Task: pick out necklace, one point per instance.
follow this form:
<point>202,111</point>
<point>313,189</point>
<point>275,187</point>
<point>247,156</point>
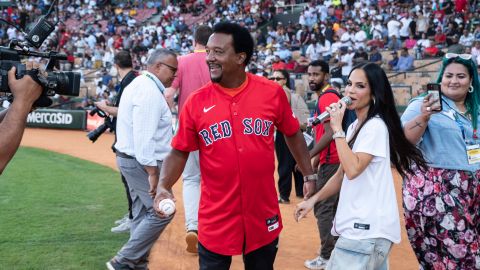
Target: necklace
<point>465,114</point>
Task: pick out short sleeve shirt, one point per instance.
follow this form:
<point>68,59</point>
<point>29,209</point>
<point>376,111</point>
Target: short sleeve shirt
<point>358,213</point>
<point>238,209</point>
<point>329,154</point>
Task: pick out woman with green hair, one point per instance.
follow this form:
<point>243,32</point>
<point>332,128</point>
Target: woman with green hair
<point>442,204</point>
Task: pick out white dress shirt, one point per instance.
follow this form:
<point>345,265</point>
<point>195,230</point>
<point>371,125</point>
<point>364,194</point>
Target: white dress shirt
<point>144,121</point>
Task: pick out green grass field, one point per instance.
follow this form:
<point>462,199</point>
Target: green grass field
<point>56,212</point>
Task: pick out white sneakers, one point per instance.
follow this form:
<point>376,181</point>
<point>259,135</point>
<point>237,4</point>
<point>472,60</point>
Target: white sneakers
<point>122,220</point>
<point>124,225</point>
<point>317,264</point>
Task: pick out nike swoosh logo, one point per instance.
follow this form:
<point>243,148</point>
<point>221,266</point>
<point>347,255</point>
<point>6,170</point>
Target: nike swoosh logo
<point>205,110</point>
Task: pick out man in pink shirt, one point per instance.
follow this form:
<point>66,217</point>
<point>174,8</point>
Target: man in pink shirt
<point>192,74</point>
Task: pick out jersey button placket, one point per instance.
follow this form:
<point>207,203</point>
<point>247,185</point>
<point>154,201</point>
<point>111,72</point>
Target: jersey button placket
<point>239,154</point>
<point>234,108</point>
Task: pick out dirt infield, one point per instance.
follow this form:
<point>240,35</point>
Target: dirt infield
<point>298,241</point>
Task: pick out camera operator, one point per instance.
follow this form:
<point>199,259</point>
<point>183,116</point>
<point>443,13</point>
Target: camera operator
<point>123,63</point>
<point>12,120</point>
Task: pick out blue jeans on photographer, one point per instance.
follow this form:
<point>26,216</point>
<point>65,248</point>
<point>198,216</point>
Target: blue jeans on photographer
<point>371,254</point>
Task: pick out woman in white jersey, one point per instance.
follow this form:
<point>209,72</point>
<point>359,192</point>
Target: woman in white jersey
<point>367,217</point>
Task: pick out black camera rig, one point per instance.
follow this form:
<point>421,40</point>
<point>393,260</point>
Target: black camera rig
<point>52,82</point>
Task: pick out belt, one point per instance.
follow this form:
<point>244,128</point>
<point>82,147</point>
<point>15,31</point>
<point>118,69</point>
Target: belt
<point>123,155</point>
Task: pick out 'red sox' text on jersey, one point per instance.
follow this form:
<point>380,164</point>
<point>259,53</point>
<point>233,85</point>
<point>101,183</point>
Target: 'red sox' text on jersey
<point>235,136</point>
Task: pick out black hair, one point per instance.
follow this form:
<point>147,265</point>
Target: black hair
<point>242,40</point>
<point>336,85</point>
<point>403,154</point>
<point>322,64</point>
<point>286,75</point>
<point>321,39</point>
<point>202,33</point>
<point>123,59</point>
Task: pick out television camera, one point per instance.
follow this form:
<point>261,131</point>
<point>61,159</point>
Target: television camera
<point>52,82</point>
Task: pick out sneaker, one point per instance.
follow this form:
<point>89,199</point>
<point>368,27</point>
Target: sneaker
<point>317,263</point>
<point>123,227</point>
<point>122,220</point>
<point>114,265</point>
<point>283,201</point>
<point>192,241</point>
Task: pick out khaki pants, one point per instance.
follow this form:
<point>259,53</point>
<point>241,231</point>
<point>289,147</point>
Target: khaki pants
<point>325,211</point>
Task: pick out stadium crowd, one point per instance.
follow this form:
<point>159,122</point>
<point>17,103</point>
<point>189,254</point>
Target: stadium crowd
<point>341,32</point>
<point>329,37</point>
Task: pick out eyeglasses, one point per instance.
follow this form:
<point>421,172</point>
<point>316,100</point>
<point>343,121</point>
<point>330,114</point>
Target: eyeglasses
<point>173,69</point>
<point>276,79</point>
<point>464,56</point>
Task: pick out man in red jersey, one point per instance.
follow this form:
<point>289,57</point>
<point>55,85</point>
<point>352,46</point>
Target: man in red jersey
<point>191,75</point>
<point>326,151</point>
<point>231,122</point>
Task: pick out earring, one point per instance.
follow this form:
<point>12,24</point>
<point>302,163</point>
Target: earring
<point>470,89</point>
<point>373,101</point>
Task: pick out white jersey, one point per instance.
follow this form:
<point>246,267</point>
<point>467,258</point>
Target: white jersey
<point>367,206</point>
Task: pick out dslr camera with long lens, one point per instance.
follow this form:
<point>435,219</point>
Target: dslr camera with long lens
<point>52,82</point>
<point>107,124</point>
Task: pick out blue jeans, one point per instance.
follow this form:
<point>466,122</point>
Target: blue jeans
<point>370,254</point>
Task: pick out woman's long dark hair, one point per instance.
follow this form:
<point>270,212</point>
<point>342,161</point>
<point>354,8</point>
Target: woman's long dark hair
<point>286,75</point>
<point>403,154</point>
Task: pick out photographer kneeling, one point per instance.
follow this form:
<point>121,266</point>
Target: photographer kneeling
<point>12,121</point>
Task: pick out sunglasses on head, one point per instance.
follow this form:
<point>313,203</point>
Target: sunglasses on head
<point>276,79</point>
<point>464,56</point>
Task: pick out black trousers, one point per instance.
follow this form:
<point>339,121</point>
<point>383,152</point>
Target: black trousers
<point>129,198</point>
<point>286,166</point>
<point>259,259</point>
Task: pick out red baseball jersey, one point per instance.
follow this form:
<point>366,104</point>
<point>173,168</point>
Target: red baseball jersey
<point>329,154</point>
<point>238,209</point>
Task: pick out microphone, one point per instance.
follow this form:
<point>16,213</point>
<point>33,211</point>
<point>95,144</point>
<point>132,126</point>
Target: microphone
<point>325,114</point>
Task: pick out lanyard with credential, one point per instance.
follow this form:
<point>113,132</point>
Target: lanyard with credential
<point>460,124</point>
<point>151,78</point>
<point>472,147</point>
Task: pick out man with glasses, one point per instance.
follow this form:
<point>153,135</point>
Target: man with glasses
<point>144,132</point>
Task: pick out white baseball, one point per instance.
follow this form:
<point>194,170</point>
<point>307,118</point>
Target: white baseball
<point>167,206</point>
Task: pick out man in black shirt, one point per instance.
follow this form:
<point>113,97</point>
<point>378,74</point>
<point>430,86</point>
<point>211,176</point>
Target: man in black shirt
<point>123,63</point>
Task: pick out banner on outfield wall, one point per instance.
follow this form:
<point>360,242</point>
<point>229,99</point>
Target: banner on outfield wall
<point>94,121</point>
<point>62,119</point>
